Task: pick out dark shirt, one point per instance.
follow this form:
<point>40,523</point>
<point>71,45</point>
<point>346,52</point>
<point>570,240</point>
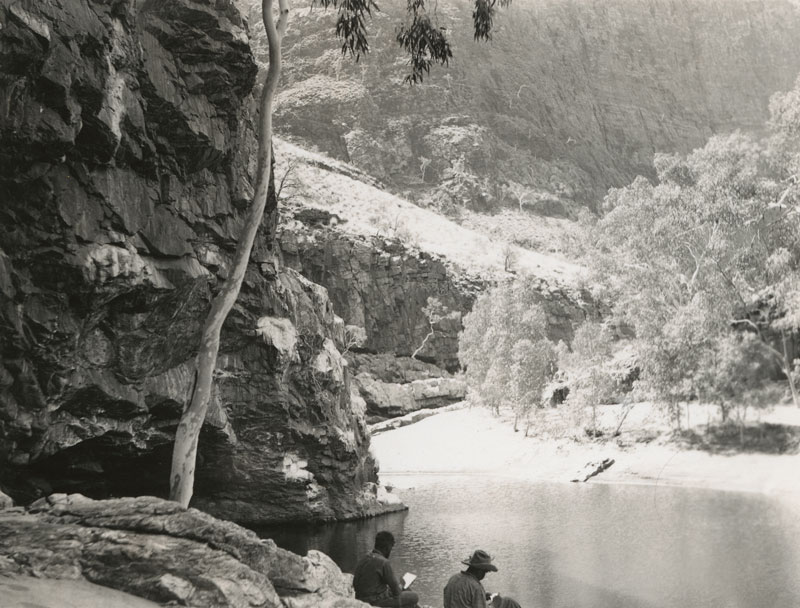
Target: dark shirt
<point>464,591</point>
<point>374,578</point>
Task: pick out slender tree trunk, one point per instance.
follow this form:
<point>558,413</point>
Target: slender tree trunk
<point>430,334</point>
<point>741,412</point>
<point>625,412</point>
<point>787,369</point>
<point>184,454</point>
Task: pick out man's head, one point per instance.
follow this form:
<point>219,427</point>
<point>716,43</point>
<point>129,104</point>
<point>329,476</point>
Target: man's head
<point>479,564</point>
<point>384,541</point>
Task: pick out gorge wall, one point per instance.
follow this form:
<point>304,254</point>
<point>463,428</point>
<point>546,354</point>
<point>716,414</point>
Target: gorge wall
<point>125,170</point>
<point>382,285</point>
<point>381,288</point>
<point>568,99</point>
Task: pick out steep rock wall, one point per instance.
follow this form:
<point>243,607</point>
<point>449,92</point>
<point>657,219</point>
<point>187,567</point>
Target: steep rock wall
<point>381,285</point>
<point>125,171</point>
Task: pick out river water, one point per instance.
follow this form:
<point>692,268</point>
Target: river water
<point>584,545</point>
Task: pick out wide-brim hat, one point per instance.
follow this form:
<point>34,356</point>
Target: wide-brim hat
<point>481,560</point>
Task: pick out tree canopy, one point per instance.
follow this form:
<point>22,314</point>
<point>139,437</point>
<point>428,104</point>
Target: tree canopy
<point>505,349</point>
<point>707,253</point>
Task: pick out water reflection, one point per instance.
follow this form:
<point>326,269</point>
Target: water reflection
<point>598,546</point>
<point>344,542</point>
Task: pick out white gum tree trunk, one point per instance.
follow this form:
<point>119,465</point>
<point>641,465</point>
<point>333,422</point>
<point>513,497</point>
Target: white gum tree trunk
<point>184,454</point>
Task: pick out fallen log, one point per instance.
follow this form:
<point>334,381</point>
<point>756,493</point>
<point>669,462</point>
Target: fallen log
<point>593,468</point>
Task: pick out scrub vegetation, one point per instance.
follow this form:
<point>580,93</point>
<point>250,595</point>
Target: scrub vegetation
<point>701,267</point>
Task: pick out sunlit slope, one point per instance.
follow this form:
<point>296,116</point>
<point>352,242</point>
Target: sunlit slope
<point>315,180</point>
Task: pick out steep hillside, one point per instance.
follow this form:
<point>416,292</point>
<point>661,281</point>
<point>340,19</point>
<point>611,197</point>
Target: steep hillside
<point>363,208</point>
<point>568,99</point>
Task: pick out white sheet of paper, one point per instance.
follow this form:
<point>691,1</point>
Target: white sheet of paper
<point>407,579</point>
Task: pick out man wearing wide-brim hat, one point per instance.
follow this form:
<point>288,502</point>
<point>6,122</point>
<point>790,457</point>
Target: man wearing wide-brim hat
<point>464,590</point>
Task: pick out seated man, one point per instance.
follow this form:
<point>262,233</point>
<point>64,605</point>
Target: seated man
<point>464,590</point>
<point>374,580</point>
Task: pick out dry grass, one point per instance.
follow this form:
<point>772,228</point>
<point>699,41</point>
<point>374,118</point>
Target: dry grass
<point>321,182</point>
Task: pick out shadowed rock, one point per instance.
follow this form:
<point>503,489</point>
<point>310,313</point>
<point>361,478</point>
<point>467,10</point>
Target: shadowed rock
<point>157,550</point>
<point>126,140</point>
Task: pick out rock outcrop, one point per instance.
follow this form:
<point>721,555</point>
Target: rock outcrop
<point>383,286</point>
<point>412,418</point>
<point>126,148</point>
<point>591,469</point>
<point>155,549</point>
<point>393,386</point>
<point>390,400</point>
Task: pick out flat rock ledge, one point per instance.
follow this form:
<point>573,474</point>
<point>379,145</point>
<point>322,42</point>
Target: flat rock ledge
<point>413,418</point>
<point>154,549</point>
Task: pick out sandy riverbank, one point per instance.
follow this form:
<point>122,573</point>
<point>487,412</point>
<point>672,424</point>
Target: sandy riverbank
<point>474,441</point>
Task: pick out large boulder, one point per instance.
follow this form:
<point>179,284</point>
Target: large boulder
<point>157,550</point>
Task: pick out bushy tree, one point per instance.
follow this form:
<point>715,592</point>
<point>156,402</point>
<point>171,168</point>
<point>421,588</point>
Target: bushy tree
<point>586,369</point>
<point>733,374</point>
<point>707,253</point>
<point>520,192</point>
<point>505,350</point>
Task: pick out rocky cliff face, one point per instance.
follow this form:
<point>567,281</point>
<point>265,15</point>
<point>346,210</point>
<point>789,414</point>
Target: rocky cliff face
<point>382,285</point>
<point>568,99</point>
<point>125,170</point>
<point>381,288</point>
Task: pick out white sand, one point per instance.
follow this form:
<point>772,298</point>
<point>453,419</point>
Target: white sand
<point>473,441</point>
